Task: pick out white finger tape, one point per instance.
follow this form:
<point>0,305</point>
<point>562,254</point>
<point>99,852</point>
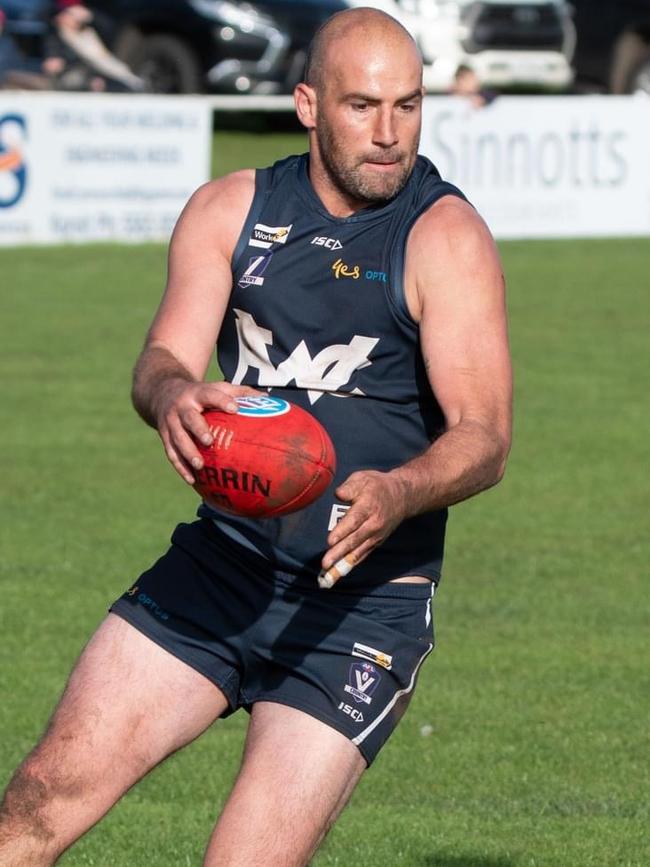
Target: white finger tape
<point>327,580</point>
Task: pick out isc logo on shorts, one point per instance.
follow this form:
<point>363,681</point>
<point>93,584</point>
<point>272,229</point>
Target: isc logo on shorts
<point>255,407</point>
<point>352,712</point>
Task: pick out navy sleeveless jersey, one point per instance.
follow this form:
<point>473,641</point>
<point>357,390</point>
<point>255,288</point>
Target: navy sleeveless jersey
<point>317,315</point>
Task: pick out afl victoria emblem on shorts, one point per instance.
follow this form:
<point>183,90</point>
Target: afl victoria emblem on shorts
<point>364,679</point>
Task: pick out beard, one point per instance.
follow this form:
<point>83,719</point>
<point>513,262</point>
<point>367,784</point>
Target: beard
<point>349,174</point>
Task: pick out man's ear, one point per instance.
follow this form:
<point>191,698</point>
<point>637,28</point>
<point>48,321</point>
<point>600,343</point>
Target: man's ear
<point>304,97</point>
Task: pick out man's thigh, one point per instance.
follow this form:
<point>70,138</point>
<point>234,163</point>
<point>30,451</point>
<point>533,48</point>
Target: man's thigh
<point>296,776</point>
<point>129,699</point>
<point>127,705</point>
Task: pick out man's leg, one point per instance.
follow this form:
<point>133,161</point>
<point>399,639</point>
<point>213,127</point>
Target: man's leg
<point>128,705</point>
<point>296,776</point>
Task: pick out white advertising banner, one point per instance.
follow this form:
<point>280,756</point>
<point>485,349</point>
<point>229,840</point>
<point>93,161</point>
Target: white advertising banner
<point>547,167</point>
<point>88,167</point>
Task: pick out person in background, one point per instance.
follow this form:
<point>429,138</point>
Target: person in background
<point>76,58</point>
<point>466,84</point>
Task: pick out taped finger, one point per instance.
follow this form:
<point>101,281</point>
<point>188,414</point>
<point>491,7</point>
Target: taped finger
<point>327,579</point>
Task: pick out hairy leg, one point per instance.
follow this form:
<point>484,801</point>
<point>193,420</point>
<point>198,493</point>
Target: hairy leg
<point>127,705</point>
<point>296,776</point>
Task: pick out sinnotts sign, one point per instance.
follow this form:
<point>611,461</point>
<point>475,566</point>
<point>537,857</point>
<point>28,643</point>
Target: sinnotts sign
<point>89,167</point>
<point>547,167</point>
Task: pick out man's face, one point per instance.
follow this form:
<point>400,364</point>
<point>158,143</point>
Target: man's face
<point>369,116</point>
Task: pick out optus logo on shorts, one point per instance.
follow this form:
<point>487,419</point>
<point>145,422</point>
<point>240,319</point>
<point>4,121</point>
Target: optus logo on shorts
<point>255,407</point>
<point>13,172</point>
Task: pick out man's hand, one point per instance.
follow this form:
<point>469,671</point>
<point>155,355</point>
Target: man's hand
<point>378,505</point>
<point>177,412</point>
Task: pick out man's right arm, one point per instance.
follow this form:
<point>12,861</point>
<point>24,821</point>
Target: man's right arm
<point>168,388</point>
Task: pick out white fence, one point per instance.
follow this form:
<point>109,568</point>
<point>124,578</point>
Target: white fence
<point>86,167</point>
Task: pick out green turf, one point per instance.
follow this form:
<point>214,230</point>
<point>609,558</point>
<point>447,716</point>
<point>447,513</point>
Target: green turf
<point>526,744</point>
<point>236,149</point>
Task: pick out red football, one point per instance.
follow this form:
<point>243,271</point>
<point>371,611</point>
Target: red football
<point>268,459</point>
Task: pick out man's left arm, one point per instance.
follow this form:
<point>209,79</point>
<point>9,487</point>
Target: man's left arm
<point>455,291</point>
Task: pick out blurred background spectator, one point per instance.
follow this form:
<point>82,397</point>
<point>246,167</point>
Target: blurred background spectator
<point>77,58</point>
<point>74,57</point>
<point>467,84</point>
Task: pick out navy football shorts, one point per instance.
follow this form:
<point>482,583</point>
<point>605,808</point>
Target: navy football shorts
<point>349,658</point>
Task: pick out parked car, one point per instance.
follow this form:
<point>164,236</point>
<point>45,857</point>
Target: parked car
<point>192,46</point>
<point>613,45</point>
<point>27,23</point>
<point>27,17</point>
<point>509,45</point>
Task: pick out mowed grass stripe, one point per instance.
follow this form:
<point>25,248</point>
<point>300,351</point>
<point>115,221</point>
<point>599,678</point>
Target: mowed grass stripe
<point>526,742</point>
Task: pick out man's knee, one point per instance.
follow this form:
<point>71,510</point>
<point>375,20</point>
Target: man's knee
<point>26,833</point>
<point>31,790</point>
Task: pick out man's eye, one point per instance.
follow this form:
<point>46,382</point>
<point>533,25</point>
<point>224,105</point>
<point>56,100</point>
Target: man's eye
<point>359,106</point>
<point>408,107</point>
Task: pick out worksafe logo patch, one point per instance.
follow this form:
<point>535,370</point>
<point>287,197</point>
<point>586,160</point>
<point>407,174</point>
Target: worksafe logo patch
<point>13,170</point>
<point>364,679</point>
<point>265,236</point>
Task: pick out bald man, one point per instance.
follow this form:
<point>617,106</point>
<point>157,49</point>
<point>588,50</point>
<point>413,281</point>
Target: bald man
<point>356,283</point>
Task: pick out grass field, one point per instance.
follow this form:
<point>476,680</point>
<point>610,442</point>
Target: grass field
<point>526,744</point>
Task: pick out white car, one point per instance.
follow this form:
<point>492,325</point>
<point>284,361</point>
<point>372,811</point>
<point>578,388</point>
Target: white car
<point>508,43</point>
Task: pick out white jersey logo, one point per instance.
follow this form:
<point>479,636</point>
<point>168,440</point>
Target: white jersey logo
<point>265,236</point>
<point>327,371</point>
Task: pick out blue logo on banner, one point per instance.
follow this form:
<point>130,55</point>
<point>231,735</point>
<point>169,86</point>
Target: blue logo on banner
<point>12,161</point>
<point>256,407</point>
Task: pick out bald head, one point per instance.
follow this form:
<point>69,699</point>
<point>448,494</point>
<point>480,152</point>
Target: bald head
<point>359,28</point>
<point>362,104</point>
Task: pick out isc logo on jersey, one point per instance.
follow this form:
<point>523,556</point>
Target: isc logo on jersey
<point>330,243</point>
<point>264,236</point>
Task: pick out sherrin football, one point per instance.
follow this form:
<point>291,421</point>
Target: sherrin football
<point>268,459</point>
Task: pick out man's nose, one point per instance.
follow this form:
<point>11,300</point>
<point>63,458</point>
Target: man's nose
<point>385,133</point>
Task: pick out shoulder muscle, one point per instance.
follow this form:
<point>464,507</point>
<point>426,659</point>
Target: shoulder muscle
<point>449,243</point>
<point>456,291</point>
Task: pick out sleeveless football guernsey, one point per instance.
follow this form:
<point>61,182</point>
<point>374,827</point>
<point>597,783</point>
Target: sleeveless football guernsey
<point>317,316</point>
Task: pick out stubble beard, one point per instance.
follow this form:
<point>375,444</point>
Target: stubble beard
<point>348,176</point>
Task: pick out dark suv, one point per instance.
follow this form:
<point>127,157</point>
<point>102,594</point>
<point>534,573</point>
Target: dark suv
<point>613,45</point>
<point>192,46</point>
